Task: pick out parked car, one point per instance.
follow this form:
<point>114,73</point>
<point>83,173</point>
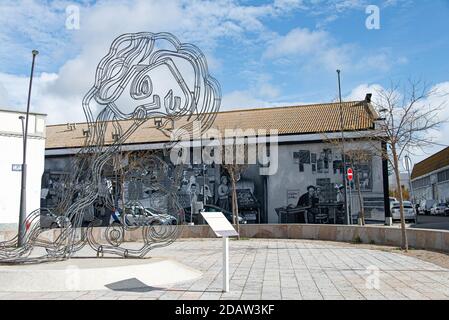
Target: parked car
<point>438,209</point>
<point>425,206</point>
<point>49,220</point>
<point>211,208</point>
<point>409,211</point>
<point>392,200</point>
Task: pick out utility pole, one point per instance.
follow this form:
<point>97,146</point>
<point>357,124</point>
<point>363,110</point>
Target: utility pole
<point>343,155</point>
<point>22,212</point>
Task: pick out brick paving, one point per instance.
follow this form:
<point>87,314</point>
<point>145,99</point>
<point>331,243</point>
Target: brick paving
<point>284,269</point>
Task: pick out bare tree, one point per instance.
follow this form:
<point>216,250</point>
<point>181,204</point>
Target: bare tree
<point>407,119</point>
<point>234,170</point>
<point>357,158</point>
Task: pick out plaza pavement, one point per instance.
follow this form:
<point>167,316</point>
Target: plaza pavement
<point>284,269</point>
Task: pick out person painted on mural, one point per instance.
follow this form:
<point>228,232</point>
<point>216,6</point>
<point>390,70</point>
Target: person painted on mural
<point>223,194</point>
<point>310,201</point>
<point>319,194</point>
<point>341,194</point>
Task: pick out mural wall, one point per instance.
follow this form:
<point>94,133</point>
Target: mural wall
<point>308,185</point>
<point>310,177</point>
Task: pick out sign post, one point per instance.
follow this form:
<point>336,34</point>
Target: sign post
<point>225,264</point>
<point>350,175</point>
<point>222,229</point>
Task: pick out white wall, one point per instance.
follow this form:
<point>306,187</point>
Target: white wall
<point>11,146</point>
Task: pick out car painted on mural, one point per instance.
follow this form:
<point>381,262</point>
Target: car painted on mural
<point>139,216</point>
<point>50,220</point>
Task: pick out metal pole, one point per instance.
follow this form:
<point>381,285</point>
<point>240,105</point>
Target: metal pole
<point>350,202</point>
<point>22,212</point>
<point>22,118</point>
<point>343,156</point>
<point>408,163</point>
<point>204,185</point>
<point>225,264</point>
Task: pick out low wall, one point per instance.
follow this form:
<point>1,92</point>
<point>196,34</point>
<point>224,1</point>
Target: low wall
<point>437,240</point>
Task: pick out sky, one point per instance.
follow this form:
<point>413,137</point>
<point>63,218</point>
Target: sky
<point>263,53</point>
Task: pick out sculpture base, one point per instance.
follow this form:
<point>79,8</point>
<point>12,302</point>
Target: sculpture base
<point>85,274</point>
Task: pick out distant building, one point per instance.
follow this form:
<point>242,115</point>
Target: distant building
<point>11,146</point>
<point>430,177</point>
<point>405,181</point>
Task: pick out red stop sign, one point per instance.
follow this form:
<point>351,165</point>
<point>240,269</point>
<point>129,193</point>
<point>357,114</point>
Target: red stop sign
<point>350,174</point>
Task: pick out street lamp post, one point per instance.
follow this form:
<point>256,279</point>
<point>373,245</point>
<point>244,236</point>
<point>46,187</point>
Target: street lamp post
<point>343,156</point>
<point>408,164</point>
<point>22,212</point>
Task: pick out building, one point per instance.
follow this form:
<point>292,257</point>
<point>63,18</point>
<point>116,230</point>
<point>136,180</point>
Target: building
<point>304,156</point>
<point>11,144</point>
<point>405,182</point>
<point>430,177</point>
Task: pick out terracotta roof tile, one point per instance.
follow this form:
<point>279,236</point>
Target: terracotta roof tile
<point>358,115</point>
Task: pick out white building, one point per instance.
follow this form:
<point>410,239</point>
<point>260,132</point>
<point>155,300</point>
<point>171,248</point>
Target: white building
<point>11,146</point>
<point>430,177</point>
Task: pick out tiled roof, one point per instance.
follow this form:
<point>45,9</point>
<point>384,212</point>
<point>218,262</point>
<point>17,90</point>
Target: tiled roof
<point>432,163</point>
<point>316,118</point>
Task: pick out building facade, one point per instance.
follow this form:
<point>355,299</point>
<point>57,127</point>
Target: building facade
<point>11,144</point>
<point>430,178</point>
<point>305,164</point>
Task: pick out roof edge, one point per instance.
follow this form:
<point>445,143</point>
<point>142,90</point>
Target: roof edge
<point>355,102</point>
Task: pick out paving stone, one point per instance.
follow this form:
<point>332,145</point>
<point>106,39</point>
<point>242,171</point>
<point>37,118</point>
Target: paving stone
<point>284,269</point>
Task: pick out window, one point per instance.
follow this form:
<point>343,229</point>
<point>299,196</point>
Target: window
<point>421,183</point>
<point>443,176</point>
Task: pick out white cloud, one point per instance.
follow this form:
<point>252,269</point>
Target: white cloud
<point>298,41</point>
<point>318,50</point>
<point>60,94</point>
<point>359,92</point>
<point>242,99</point>
<point>60,109</point>
<point>72,56</point>
<point>439,99</point>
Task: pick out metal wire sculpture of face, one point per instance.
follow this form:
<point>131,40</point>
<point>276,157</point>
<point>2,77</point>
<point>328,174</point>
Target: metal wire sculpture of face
<point>145,76</point>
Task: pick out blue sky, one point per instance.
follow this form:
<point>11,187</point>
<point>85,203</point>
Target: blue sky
<point>264,53</point>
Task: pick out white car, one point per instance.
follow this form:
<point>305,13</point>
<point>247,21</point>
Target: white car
<point>138,216</point>
<point>163,218</point>
<point>438,209</point>
<point>409,211</point>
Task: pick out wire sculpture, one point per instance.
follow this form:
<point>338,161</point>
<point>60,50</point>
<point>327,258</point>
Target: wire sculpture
<point>145,77</point>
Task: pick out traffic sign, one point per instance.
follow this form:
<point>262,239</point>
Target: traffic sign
<point>350,174</point>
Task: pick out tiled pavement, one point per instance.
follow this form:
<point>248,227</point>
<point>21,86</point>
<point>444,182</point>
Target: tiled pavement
<point>285,269</point>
